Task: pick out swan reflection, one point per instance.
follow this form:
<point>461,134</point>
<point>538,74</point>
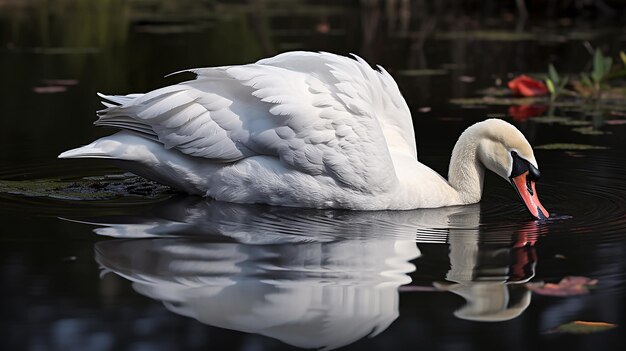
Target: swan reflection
<point>490,277</point>
<point>310,278</point>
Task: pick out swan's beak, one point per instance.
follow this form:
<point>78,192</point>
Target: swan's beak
<point>525,187</point>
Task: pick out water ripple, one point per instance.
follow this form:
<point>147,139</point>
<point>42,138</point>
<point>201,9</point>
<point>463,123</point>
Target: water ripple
<point>585,203</point>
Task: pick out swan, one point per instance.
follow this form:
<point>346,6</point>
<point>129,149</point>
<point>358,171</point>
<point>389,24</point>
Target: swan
<point>302,129</point>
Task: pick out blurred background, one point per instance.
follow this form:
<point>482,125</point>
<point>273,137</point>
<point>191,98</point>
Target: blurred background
<point>55,55</point>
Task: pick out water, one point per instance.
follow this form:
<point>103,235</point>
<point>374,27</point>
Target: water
<point>141,267</point>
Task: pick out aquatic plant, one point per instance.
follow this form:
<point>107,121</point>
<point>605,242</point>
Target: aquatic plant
<point>555,83</point>
<point>593,84</point>
<point>595,79</point>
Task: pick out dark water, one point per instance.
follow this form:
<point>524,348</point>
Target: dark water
<point>143,268</point>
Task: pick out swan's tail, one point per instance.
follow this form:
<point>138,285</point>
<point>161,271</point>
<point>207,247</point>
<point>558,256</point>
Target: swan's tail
<point>88,151</point>
<point>149,159</point>
<point>121,146</point>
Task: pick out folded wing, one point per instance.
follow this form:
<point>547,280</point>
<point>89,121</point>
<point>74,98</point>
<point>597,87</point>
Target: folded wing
<point>321,114</point>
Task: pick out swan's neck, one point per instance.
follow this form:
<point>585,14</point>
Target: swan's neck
<point>466,173</point>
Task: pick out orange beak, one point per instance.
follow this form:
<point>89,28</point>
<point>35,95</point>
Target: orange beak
<point>526,189</point>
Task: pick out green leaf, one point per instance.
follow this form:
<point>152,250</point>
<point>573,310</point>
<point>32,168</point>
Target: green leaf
<point>582,327</point>
<point>598,67</point>
<point>553,74</point>
<point>622,55</point>
<point>550,86</point>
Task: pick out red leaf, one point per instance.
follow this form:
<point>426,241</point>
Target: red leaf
<point>527,86</point>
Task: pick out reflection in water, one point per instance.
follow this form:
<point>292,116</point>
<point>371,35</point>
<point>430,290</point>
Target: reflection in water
<point>310,278</point>
<point>284,275</point>
<point>311,295</point>
<point>490,277</point>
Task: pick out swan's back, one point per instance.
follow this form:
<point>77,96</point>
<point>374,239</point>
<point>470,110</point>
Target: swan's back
<point>318,113</point>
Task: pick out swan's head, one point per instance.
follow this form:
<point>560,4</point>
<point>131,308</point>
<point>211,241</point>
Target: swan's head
<point>504,150</point>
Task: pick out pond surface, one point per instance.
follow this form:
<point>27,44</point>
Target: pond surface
<point>93,258</point>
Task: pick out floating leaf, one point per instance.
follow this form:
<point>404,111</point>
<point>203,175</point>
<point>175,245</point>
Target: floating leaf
<point>422,72</point>
<point>589,131</point>
<point>551,119</point>
<point>568,286</point>
<point>582,327</point>
<point>467,79</point>
<point>424,109</point>
<point>566,146</point>
<point>575,123</point>
<point>615,122</point>
<point>51,89</point>
<point>495,91</point>
<point>573,154</point>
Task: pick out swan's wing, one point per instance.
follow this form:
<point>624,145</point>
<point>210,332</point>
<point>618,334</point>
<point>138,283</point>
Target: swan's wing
<point>185,117</point>
<point>320,123</point>
<point>377,87</point>
<point>321,127</point>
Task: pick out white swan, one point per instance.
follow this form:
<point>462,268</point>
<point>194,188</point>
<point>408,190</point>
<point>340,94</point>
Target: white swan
<point>302,129</point>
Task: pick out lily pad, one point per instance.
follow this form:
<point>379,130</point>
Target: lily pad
<point>495,91</point>
<point>566,146</point>
<point>582,327</point>
<point>422,72</point>
<point>615,122</point>
<point>576,123</point>
<point>551,119</point>
<point>589,131</point>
